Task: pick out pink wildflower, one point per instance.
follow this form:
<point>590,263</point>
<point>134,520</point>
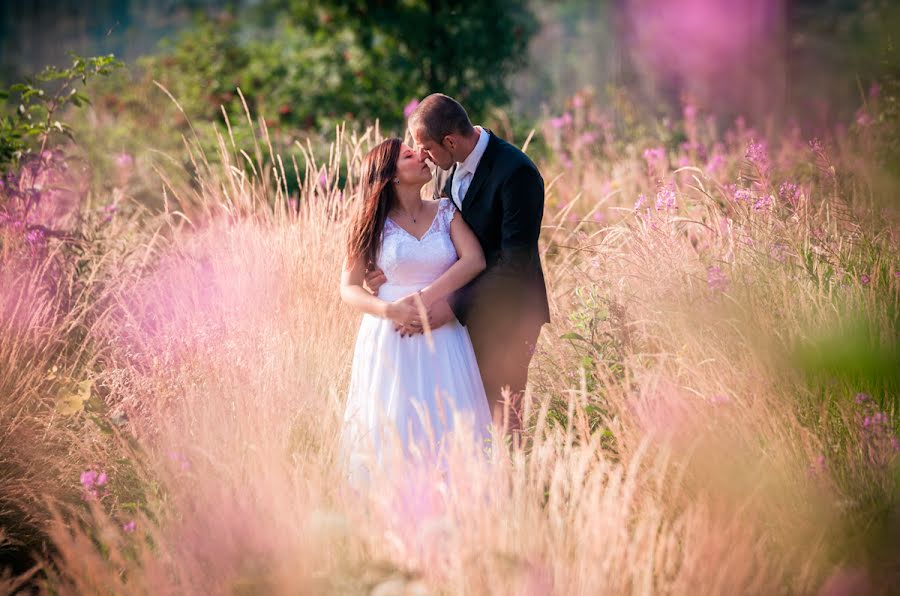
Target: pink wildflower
<point>654,155</point>
<point>742,195</point>
<point>588,138</point>
<point>864,279</point>
<point>716,279</point>
<point>561,121</point>
<point>689,111</point>
<point>665,199</point>
<point>88,478</point>
<point>763,203</point>
<point>124,160</point>
<point>409,108</point>
<point>640,202</point>
<point>129,526</point>
<point>789,193</point>
<point>758,156</point>
<point>863,118</point>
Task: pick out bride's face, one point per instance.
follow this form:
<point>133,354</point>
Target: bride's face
<point>411,168</point>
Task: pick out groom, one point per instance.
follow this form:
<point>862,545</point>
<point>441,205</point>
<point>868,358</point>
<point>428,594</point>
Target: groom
<point>500,195</point>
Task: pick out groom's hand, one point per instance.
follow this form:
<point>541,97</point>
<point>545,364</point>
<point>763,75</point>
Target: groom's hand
<point>440,314</point>
<point>375,278</point>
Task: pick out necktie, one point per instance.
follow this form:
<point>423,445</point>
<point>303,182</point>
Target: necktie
<point>463,186</point>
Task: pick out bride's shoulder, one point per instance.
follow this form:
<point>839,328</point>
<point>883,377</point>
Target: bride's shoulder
<point>436,205</point>
<point>441,203</point>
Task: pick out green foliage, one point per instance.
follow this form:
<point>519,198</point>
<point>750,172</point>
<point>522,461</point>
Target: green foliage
<point>311,66</point>
<point>29,126</point>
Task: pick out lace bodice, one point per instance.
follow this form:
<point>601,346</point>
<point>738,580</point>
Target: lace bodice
<point>408,262</point>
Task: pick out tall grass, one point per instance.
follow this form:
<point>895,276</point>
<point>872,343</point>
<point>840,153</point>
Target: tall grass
<point>692,425</point>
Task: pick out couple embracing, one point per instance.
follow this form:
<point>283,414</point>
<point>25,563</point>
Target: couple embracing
<point>451,288</point>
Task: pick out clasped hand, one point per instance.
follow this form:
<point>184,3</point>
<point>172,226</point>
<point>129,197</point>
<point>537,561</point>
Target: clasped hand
<point>407,314</point>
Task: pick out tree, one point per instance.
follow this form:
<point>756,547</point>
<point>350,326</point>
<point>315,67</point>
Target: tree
<point>312,64</point>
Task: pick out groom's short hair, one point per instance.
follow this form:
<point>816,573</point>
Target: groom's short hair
<point>440,115</point>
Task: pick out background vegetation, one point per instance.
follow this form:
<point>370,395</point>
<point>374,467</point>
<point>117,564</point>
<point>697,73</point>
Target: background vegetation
<point>719,382</point>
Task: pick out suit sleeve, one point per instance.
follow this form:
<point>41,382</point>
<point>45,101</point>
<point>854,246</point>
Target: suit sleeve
<point>522,202</point>
<point>522,199</point>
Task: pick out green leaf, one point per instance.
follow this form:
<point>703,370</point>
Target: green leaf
<point>572,336</point>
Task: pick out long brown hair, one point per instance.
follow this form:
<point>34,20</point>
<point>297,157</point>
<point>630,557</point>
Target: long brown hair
<point>377,194</point>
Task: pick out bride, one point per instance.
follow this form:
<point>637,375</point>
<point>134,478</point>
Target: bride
<point>420,386</point>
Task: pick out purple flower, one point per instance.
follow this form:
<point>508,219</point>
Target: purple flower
<point>91,480</point>
<point>323,179</point>
<point>863,118</point>
<point>690,111</point>
<point>124,160</point>
<point>640,202</point>
<point>763,203</point>
<point>665,199</point>
<point>182,461</point>
<point>409,108</point>
<point>561,121</point>
<point>742,195</point>
<point>598,216</point>
<point>817,466</point>
<point>777,252</point>
<point>863,398</point>
<point>874,90</point>
<point>789,193</point>
<point>758,156</point>
<point>34,236</point>
<point>587,138</point>
<point>88,478</point>
<point>716,279</point>
<point>654,154</point>
<point>864,279</point>
<point>715,162</point>
<point>129,526</point>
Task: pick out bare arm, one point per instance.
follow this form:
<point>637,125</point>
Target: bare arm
<point>471,262</point>
<point>354,294</point>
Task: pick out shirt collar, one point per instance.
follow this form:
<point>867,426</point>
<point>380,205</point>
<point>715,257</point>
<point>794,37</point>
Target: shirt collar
<point>471,162</point>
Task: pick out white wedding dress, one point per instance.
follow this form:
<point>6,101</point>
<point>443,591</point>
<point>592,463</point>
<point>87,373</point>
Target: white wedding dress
<point>403,384</point>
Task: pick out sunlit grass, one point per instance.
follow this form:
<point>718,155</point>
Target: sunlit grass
<point>693,421</point>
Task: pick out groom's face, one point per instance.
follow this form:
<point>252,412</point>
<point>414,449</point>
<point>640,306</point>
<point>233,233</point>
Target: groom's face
<point>432,150</point>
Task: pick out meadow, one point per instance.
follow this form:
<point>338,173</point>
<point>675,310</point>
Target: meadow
<point>712,410</point>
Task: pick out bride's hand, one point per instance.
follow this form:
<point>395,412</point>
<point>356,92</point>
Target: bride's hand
<point>405,311</point>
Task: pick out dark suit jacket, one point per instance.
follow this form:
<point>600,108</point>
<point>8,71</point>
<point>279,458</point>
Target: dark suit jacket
<point>504,206</point>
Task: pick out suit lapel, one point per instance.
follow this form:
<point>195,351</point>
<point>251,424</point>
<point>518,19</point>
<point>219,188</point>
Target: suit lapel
<point>481,172</point>
<point>448,187</point>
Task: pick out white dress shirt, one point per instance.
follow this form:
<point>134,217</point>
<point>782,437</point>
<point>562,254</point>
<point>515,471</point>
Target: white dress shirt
<point>465,171</point>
